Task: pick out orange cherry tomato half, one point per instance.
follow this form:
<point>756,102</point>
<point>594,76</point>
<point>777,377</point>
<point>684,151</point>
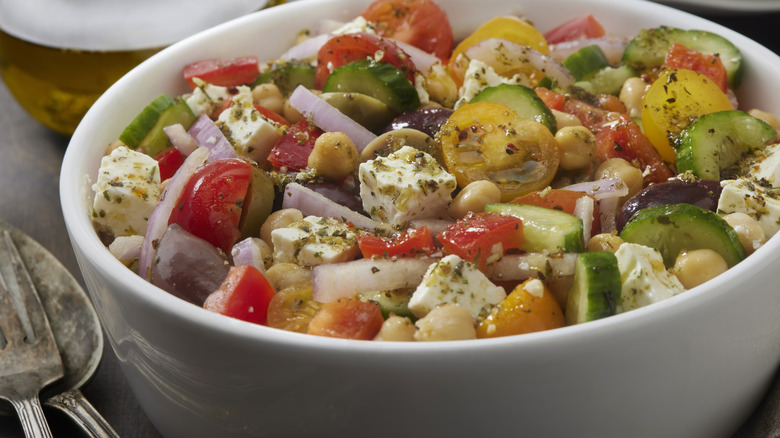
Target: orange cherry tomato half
<point>530,307</point>
<point>347,318</point>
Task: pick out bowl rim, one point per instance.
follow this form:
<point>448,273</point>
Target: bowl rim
<point>89,247</point>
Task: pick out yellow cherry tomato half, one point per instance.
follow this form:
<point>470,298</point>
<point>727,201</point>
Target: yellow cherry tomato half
<point>489,141</point>
<point>673,101</point>
<point>531,307</point>
<point>508,28</point>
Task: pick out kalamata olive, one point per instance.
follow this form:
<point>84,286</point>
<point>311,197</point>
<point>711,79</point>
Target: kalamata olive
<point>427,120</point>
<point>187,266</point>
<point>702,193</point>
<point>338,195</point>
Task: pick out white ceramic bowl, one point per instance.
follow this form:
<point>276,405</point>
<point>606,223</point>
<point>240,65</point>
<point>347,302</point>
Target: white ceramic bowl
<point>692,366</point>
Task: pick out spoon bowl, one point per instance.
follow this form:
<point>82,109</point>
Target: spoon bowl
<point>76,329</point>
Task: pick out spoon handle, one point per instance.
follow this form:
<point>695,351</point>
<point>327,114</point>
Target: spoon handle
<point>83,413</point>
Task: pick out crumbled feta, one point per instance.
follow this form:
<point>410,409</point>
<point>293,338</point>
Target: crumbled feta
<point>479,76</point>
<point>454,280</point>
<point>313,241</point>
<point>251,133</point>
<point>126,192</point>
<point>749,196</point>
<point>359,24</point>
<point>206,98</point>
<point>407,184</point>
<point>644,277</point>
<point>763,165</point>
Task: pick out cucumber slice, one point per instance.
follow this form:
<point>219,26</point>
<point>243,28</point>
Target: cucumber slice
<point>376,79</point>
<point>288,76</point>
<point>671,229</point>
<point>523,100</point>
<point>718,140</point>
<point>371,113</point>
<point>258,204</point>
<point>544,229</point>
<point>608,80</point>
<point>156,139</point>
<point>585,62</point>
<point>391,301</point>
<point>596,289</point>
<point>648,49</point>
<point>135,132</point>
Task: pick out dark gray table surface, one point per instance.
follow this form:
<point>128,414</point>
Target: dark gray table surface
<point>30,159</point>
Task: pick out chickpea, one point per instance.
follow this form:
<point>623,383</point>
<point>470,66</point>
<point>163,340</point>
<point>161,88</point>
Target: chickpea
<point>620,168</point>
<point>291,114</point>
<point>604,242</point>
<point>334,155</point>
<point>114,145</point>
<point>278,219</point>
<point>447,322</point>
<point>440,86</point>
<point>563,119</point>
<point>631,95</point>
<point>474,197</point>
<point>577,145</point>
<point>268,96</point>
<point>396,328</point>
<point>750,233</point>
<point>695,267</point>
<point>283,275</point>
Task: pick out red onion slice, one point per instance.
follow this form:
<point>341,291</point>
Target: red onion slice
<point>602,188</point>
<point>181,139</point>
<point>206,133</point>
<point>583,209</point>
<point>306,49</point>
<point>311,203</point>
<point>248,252</point>
<point>422,60</point>
<point>504,56</point>
<point>608,210</point>
<point>612,46</point>
<point>516,267</point>
<point>339,280</point>
<point>158,220</point>
<point>328,118</point>
<point>435,225</point>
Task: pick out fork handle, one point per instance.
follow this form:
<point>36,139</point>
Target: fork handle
<point>31,416</point>
<point>76,406</point>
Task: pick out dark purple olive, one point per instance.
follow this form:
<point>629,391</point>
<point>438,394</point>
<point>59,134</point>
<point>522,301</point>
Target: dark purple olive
<point>338,195</point>
<point>427,120</point>
<point>187,266</point>
<point>702,193</point>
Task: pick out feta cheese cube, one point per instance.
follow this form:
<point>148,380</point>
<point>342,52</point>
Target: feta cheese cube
<point>749,196</point>
<point>763,165</point>
<point>358,24</point>
<point>456,281</point>
<point>126,192</point>
<point>251,133</point>
<point>644,277</point>
<point>407,184</point>
<point>313,241</point>
<point>206,98</point>
<point>479,76</point>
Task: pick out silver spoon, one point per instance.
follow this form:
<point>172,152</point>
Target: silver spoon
<point>76,329</point>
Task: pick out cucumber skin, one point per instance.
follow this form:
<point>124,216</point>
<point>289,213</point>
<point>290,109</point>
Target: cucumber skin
<point>596,289</point>
<point>137,130</point>
<point>692,152</point>
<point>648,49</point>
<point>538,239</point>
<point>394,89</point>
<point>156,140</point>
<point>585,62</point>
<point>523,100</point>
<point>683,223</point>
<point>288,76</point>
<point>608,80</point>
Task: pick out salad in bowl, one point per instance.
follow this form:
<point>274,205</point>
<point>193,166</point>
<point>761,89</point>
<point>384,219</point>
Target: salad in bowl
<point>577,196</point>
<point>377,181</point>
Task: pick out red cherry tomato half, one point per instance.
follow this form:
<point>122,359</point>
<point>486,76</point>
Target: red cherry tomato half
<point>711,66</point>
<point>169,161</point>
<point>210,205</point>
<point>413,241</point>
<point>585,26</point>
<point>477,236</point>
<point>272,116</point>
<point>347,318</point>
<point>245,295</point>
<point>343,49</point>
<point>293,148</point>
<point>229,72</point>
<point>420,23</point>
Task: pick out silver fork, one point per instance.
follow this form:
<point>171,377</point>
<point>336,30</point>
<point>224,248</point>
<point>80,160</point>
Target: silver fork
<point>29,357</point>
